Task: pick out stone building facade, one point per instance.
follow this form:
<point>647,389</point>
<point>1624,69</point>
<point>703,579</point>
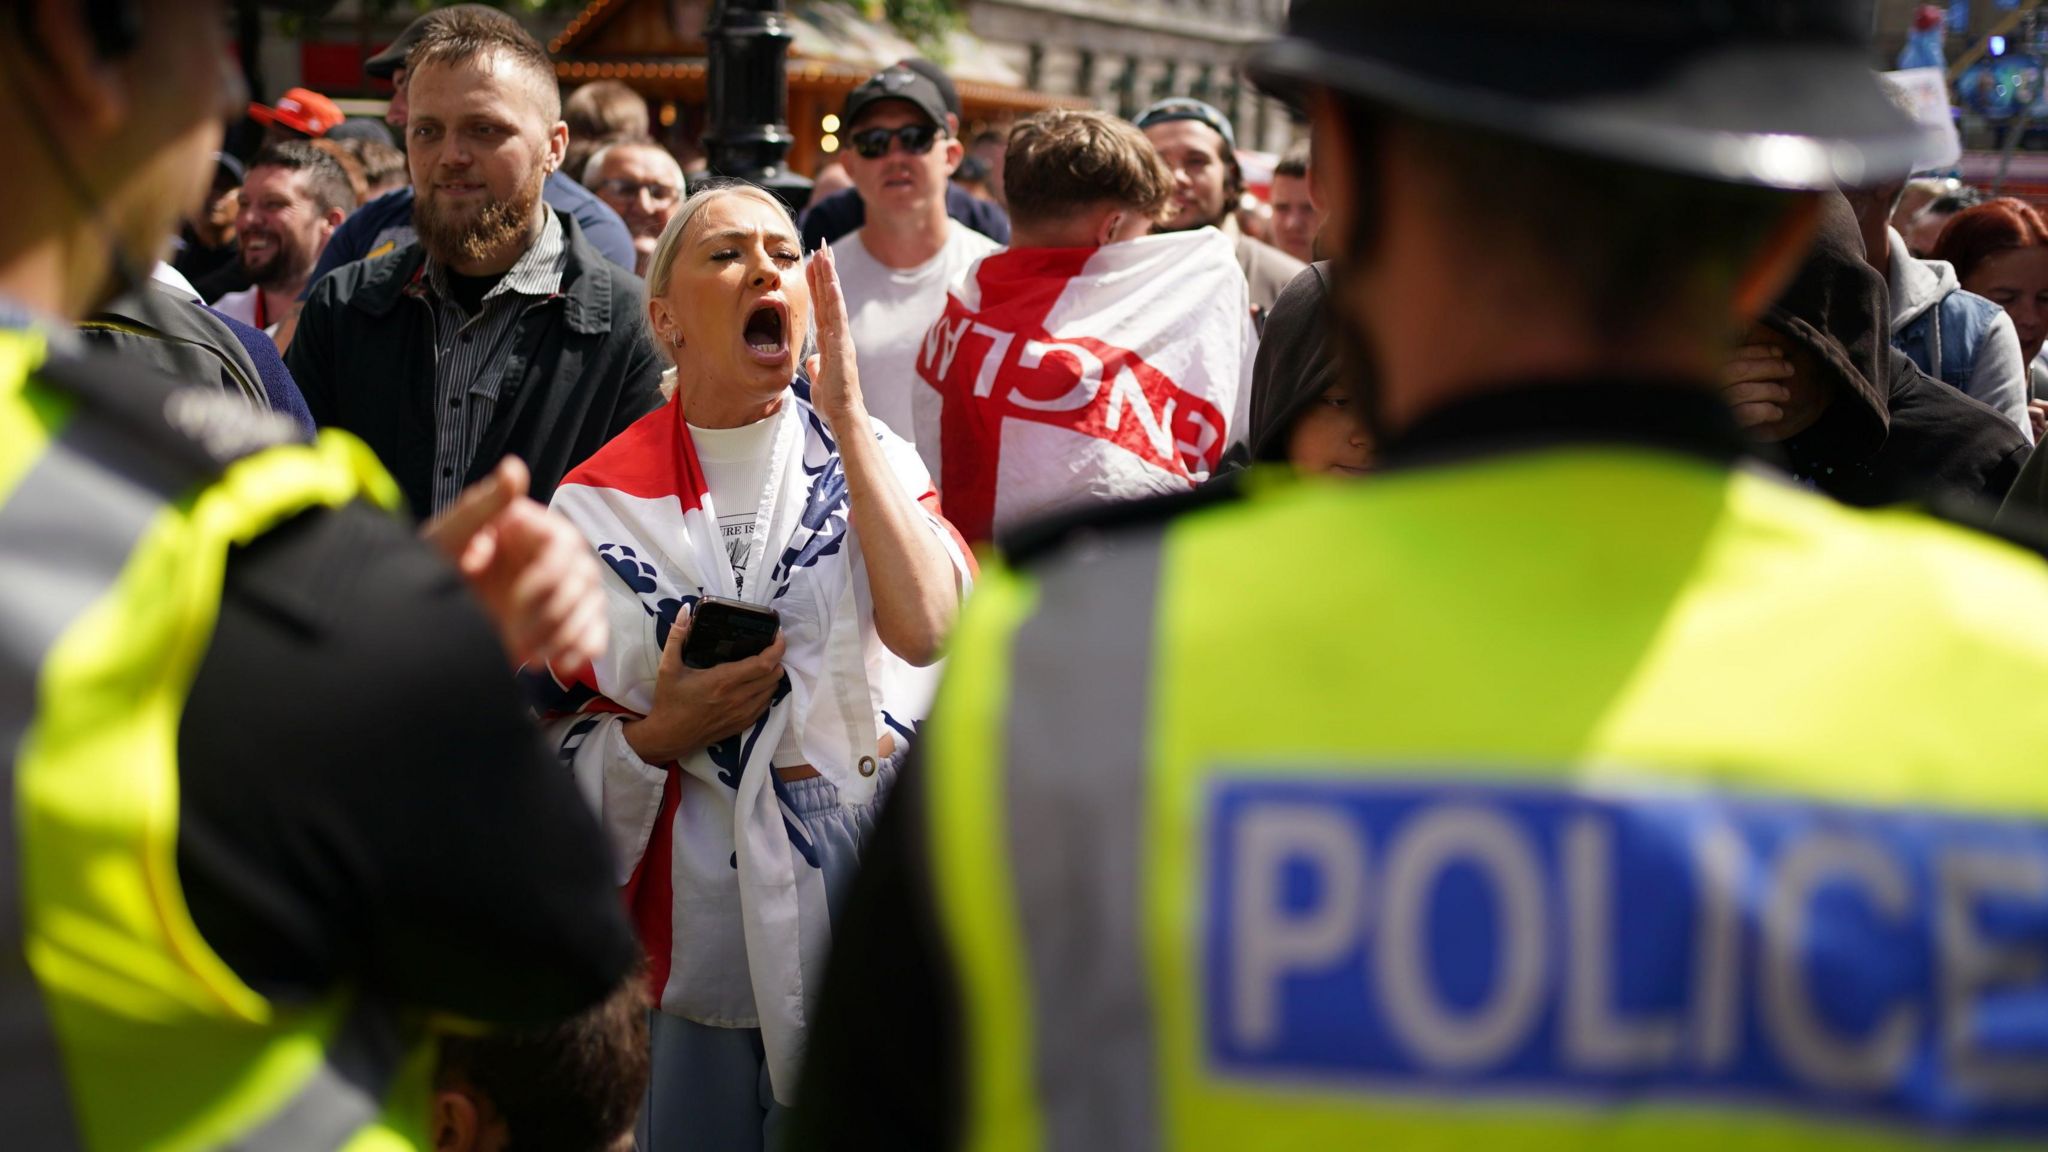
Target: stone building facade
<point>1123,54</point>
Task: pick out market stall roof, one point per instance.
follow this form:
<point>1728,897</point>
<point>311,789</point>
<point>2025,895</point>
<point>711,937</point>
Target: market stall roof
<point>659,45</point>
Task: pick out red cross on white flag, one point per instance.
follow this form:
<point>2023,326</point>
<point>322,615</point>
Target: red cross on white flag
<point>1060,376</point>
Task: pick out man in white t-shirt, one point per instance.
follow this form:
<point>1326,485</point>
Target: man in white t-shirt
<point>902,147</point>
<point>294,197</point>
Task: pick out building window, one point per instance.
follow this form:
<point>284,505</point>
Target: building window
<point>1034,70</point>
<point>1169,79</point>
<point>1084,79</point>
<point>1127,89</point>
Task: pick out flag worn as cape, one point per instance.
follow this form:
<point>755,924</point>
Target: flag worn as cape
<point>716,865</point>
<point>1061,376</point>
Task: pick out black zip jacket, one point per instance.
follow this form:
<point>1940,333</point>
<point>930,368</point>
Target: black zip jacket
<point>583,367</point>
<point>363,802</point>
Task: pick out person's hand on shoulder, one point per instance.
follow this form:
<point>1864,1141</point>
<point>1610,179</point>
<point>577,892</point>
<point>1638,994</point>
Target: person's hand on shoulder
<point>531,569</point>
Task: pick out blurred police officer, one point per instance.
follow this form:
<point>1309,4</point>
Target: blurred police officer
<point>267,793</point>
<point>1570,785</point>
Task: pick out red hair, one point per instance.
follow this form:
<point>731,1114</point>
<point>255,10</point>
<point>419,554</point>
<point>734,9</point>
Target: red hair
<point>1987,229</point>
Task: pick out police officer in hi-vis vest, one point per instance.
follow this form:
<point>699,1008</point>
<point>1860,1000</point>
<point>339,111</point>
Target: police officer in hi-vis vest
<point>1571,783</point>
<point>268,798</point>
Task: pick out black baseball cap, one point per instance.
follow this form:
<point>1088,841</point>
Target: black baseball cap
<point>1773,93</point>
<point>1188,108</point>
<point>360,129</point>
<point>896,83</point>
<point>938,77</point>
<point>392,58</point>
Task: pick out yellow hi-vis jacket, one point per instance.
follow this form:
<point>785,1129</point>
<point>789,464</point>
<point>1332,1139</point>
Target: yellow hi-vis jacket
<point>1585,797</point>
<point>119,1027</point>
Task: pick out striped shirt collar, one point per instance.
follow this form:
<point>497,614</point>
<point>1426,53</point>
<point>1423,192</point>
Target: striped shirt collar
<point>537,273</point>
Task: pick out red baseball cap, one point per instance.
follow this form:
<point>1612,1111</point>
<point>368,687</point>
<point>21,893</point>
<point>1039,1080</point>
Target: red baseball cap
<point>301,110</point>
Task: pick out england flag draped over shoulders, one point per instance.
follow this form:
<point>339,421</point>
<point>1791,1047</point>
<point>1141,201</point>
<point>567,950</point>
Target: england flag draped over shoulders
<point>1066,376</point>
<point>715,853</point>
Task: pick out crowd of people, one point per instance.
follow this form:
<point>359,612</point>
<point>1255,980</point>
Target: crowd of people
<point>380,522</point>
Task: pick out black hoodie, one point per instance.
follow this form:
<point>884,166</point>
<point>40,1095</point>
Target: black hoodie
<point>1893,434</point>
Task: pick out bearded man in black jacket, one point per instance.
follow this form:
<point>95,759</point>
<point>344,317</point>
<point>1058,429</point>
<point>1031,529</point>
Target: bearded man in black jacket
<point>502,330</point>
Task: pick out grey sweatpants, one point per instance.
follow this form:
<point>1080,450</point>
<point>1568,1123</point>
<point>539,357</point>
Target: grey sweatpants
<point>708,1091</point>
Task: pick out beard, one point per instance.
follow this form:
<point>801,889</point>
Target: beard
<point>454,237</point>
<point>1197,217</point>
<point>281,267</point>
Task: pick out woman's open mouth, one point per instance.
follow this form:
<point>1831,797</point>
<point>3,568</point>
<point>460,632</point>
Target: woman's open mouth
<point>766,333</point>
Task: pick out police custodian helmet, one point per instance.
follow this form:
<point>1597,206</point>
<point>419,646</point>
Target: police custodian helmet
<point>1776,93</point>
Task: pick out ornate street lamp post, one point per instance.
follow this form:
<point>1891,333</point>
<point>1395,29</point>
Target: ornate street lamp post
<point>749,87</point>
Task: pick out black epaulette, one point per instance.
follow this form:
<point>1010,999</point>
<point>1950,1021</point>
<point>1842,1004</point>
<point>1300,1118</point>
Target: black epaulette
<point>1034,540</point>
<point>2020,527</point>
<point>178,337</point>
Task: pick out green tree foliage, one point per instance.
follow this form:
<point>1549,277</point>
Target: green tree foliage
<point>920,19</point>
<point>924,21</point>
<point>562,7</point>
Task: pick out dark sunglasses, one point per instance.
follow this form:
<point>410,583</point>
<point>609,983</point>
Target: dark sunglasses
<point>873,143</point>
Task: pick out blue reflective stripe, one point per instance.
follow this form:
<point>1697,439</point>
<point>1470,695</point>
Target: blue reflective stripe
<point>13,315</point>
<point>1888,964</point>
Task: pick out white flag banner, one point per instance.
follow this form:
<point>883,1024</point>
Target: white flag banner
<point>1923,93</point>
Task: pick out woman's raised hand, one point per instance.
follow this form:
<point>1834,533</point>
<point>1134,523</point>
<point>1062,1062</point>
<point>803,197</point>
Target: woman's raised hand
<point>835,379</point>
<point>917,593</point>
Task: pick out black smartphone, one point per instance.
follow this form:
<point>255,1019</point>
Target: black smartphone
<point>722,631</point>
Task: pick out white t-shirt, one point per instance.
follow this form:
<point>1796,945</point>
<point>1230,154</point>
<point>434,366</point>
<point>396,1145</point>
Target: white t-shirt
<point>244,306</point>
<point>891,310</point>
<point>735,464</point>
<point>173,279</point>
<point>736,468</point>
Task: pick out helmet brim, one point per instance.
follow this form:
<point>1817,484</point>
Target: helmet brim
<point>1794,117</point>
